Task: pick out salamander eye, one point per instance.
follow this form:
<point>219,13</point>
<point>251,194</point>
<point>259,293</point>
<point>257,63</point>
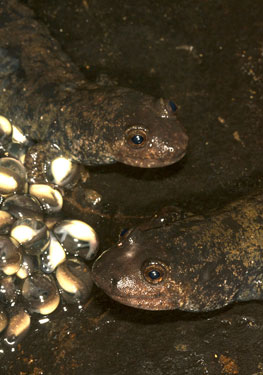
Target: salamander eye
<point>172,106</point>
<point>136,137</point>
<point>154,272</point>
<point>124,233</point>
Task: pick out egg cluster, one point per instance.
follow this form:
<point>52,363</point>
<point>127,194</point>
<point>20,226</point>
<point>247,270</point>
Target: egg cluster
<point>42,259</point>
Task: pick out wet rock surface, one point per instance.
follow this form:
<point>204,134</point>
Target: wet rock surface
<point>208,58</point>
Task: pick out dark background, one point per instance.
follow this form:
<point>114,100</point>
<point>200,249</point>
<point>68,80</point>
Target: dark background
<point>207,57</point>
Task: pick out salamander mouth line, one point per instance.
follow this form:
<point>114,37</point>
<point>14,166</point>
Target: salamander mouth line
<point>154,163</point>
<point>118,297</point>
<point>134,301</point>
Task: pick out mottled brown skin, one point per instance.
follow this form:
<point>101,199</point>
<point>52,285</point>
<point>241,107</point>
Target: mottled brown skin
<point>206,262</point>
<point>44,94</point>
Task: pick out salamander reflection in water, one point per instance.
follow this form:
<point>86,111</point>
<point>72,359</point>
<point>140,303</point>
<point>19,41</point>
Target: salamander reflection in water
<point>194,264</point>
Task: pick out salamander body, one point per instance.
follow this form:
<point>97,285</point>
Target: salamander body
<point>46,96</point>
<point>193,264</point>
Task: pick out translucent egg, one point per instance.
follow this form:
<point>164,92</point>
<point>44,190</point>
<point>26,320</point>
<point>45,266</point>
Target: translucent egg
<point>8,290</point>
<point>51,166</point>
<point>52,256</point>
<point>10,255</point>
<point>10,183</point>
<point>32,234</point>
<point>23,206</point>
<point>50,198</point>
<point>5,133</point>
<point>14,165</point>
<point>5,126</point>
<point>78,238</point>
<point>18,135</point>
<point>41,293</point>
<point>74,277</point>
<point>12,176</point>
<point>16,151</point>
<point>18,326</point>
<point>6,222</point>
<point>28,266</point>
<point>62,171</point>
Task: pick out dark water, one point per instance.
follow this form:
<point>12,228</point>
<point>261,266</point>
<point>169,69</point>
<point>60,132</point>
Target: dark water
<point>207,56</point>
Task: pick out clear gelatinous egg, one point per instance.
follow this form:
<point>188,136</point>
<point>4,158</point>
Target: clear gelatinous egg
<point>18,326</point>
<point>9,183</point>
<point>10,255</point>
<point>28,266</point>
<point>78,238</point>
<point>8,290</point>
<point>17,151</point>
<point>6,222</point>
<point>5,133</point>
<point>23,206</point>
<point>74,278</point>
<point>54,167</point>
<point>29,249</point>
<point>18,135</point>
<point>51,199</point>
<point>5,126</point>
<point>32,234</point>
<point>14,165</point>
<point>52,256</point>
<point>41,293</point>
<point>62,171</point>
<point>12,176</point>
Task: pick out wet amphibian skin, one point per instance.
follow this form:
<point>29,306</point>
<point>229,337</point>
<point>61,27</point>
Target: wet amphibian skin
<point>194,264</point>
<point>46,96</point>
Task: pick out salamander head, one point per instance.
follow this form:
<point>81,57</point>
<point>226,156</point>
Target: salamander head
<point>140,275</point>
<point>126,126</point>
<point>149,134</point>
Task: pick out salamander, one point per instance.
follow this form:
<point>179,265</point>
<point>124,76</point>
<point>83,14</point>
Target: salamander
<point>47,97</point>
<point>193,263</point>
